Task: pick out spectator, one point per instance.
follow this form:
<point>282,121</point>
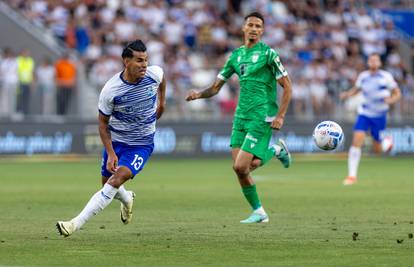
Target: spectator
<point>103,70</point>
<point>307,33</point>
<point>65,82</point>
<point>8,83</point>
<point>300,97</point>
<point>45,76</point>
<point>25,71</point>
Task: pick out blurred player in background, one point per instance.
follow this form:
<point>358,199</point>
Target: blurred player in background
<point>129,105</point>
<point>259,69</point>
<point>379,90</point>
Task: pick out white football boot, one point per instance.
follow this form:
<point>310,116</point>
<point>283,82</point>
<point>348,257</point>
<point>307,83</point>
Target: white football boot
<point>65,228</point>
<point>126,210</point>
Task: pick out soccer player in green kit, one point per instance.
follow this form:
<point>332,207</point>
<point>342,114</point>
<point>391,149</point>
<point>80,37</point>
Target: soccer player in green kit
<point>259,69</point>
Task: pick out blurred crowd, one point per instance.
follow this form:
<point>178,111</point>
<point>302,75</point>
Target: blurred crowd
<point>27,88</point>
<point>322,43</point>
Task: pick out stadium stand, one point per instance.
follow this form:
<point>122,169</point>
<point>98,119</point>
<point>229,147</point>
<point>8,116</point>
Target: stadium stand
<point>323,44</point>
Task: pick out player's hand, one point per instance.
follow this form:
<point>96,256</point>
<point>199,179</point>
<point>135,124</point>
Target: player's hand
<point>193,95</point>
<point>277,123</point>
<point>112,163</point>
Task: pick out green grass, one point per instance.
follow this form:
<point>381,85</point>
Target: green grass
<point>187,213</point>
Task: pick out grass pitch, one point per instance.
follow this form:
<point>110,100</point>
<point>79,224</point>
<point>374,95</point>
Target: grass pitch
<point>187,213</point>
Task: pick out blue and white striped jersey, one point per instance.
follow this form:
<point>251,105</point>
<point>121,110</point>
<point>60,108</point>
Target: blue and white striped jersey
<point>375,88</point>
<point>132,107</point>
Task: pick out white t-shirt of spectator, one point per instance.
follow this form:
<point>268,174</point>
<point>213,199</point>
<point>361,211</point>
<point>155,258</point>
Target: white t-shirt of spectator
<point>173,32</point>
<point>155,51</point>
<point>125,30</point>
<point>333,19</point>
<point>8,71</point>
<point>103,70</point>
<point>371,42</point>
<point>46,75</point>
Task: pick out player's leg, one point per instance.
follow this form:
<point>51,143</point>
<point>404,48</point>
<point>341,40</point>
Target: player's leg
<point>354,157</point>
<point>245,180</point>
<point>241,167</point>
<point>126,197</point>
<point>97,203</point>
<point>256,163</point>
<point>135,159</point>
<point>381,143</point>
<point>131,161</point>
<point>280,151</point>
<point>362,124</point>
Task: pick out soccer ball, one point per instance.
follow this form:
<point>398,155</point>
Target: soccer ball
<point>328,135</point>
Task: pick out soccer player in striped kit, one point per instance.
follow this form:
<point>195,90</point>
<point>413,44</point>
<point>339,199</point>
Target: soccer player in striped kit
<point>129,105</point>
<point>379,91</point>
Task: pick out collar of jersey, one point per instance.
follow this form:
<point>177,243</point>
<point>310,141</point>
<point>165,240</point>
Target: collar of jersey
<point>248,48</point>
<point>126,82</point>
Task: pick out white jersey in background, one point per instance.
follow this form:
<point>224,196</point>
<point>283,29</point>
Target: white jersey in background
<point>132,107</point>
<point>375,87</point>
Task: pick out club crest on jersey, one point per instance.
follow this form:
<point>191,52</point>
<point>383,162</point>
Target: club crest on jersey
<point>151,91</point>
<point>255,57</point>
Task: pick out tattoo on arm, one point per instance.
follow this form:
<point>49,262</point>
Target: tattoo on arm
<point>212,90</point>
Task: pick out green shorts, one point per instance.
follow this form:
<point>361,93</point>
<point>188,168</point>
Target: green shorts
<point>252,136</point>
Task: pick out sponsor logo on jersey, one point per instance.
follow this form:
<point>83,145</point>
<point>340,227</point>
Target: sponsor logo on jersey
<point>251,138</point>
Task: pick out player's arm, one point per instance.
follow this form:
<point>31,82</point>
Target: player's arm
<point>285,82</point>
<point>351,92</point>
<point>206,93</point>
<point>395,96</point>
<point>161,98</point>
<point>105,135</point>
<point>226,72</point>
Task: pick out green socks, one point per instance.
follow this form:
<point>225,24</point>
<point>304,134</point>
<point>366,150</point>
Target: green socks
<point>250,194</point>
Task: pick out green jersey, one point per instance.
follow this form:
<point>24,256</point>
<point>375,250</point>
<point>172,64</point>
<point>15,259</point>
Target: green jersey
<point>258,68</point>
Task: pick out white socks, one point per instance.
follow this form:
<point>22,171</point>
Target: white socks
<point>277,149</point>
<point>123,195</point>
<point>98,202</point>
<point>354,156</point>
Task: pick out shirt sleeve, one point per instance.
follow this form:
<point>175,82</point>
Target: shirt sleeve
<point>106,103</point>
<point>276,66</point>
<point>156,73</point>
<point>228,70</point>
<point>391,83</point>
<point>358,82</point>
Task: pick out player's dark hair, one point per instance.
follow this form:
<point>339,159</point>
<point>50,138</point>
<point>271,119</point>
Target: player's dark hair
<point>136,45</point>
<point>256,15</point>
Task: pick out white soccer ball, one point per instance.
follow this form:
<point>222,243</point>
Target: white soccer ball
<point>328,135</point>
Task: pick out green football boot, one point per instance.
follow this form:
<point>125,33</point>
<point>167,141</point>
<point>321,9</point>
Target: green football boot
<point>284,155</point>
